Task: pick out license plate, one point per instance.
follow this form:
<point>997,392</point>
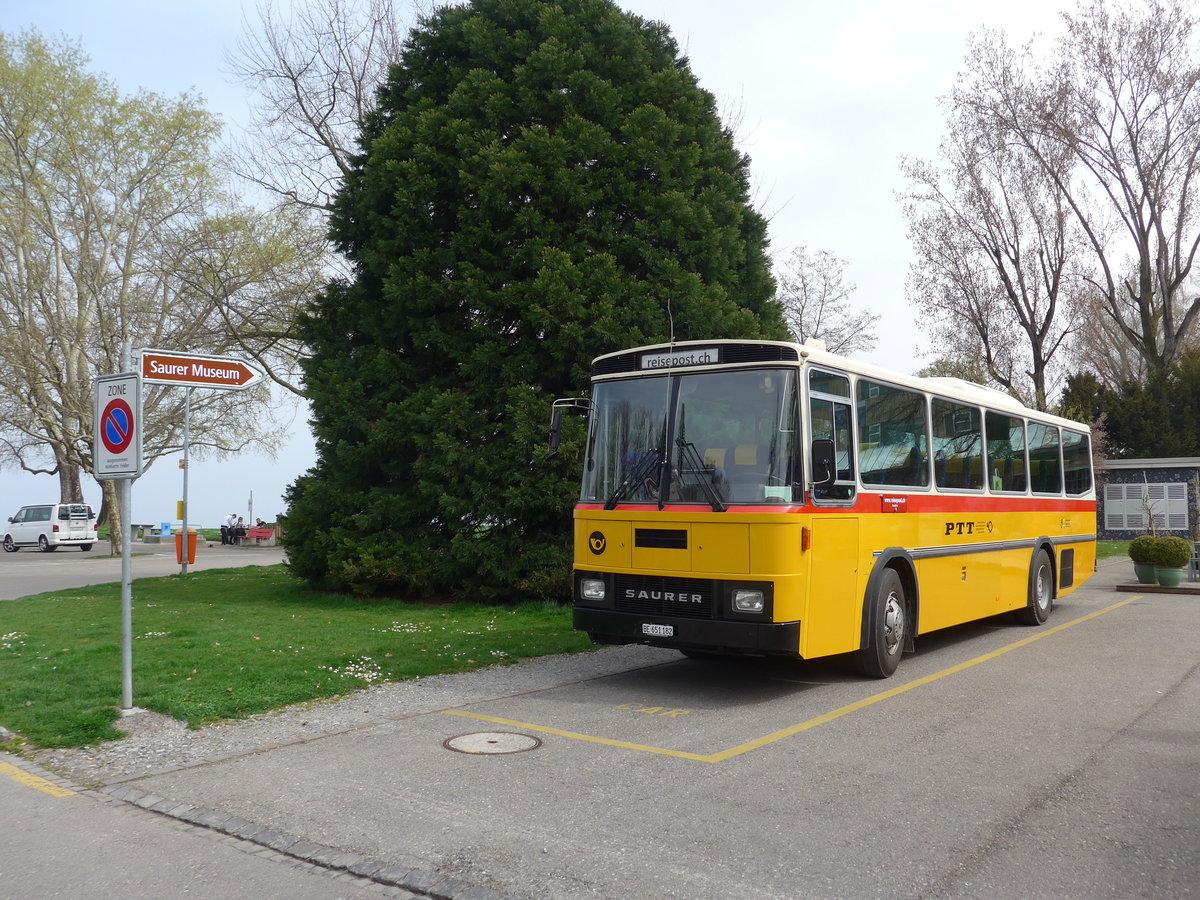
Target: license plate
<point>658,630</point>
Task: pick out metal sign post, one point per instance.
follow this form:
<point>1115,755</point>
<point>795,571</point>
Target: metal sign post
<point>187,423</point>
<point>117,454</point>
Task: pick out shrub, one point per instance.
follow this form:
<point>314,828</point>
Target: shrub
<point>1172,552</point>
<point>1141,549</point>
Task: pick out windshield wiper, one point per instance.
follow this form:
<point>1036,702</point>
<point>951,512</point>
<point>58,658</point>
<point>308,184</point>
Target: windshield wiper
<point>695,466</point>
<point>650,460</point>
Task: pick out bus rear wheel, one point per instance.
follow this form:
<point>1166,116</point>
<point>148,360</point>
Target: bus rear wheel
<point>880,656</point>
<point>1041,591</point>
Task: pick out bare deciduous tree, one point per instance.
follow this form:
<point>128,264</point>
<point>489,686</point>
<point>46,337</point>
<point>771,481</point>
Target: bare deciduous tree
<point>1101,346</point>
<point>1114,122</point>
<point>816,303</point>
<point>315,69</point>
<point>256,271</point>
<point>994,240</point>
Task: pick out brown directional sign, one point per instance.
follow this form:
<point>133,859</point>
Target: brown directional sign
<point>193,370</point>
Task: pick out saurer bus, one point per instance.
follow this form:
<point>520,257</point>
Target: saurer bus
<point>769,498</point>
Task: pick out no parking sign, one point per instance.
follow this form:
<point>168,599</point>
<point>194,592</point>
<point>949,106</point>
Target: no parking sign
<point>117,446</point>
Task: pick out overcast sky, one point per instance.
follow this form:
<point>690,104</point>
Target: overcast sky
<point>826,98</point>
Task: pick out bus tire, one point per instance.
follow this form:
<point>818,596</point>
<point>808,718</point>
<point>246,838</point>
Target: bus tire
<point>880,654</point>
<point>1041,591</point>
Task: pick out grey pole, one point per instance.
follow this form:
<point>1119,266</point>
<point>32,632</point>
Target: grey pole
<point>187,417</point>
<point>123,492</point>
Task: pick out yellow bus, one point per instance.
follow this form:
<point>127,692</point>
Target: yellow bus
<point>769,498</point>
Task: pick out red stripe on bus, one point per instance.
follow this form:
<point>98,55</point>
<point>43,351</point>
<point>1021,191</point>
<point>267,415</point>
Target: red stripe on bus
<point>867,504</point>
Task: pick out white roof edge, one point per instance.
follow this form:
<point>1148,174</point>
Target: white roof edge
<point>1165,462</point>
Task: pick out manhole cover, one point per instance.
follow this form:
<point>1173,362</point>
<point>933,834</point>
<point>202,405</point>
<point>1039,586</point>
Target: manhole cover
<point>492,742</point>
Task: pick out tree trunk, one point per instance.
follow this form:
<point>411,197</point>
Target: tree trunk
<point>116,526</point>
<point>70,489</point>
<point>102,516</point>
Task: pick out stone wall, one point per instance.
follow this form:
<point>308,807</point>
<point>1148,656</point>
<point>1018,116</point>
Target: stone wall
<point>1150,472</point>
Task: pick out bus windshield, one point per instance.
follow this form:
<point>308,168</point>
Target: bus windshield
<point>706,437</point>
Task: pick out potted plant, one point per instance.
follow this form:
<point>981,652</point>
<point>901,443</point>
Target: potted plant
<point>1171,554</point>
<point>1141,551</point>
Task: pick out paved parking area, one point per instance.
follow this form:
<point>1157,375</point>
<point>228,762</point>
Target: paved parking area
<point>29,571</point>
<point>989,766</point>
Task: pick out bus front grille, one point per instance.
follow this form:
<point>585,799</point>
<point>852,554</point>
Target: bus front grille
<point>689,598</point>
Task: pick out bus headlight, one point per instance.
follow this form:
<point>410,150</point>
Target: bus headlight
<point>591,589</point>
<point>748,601</point>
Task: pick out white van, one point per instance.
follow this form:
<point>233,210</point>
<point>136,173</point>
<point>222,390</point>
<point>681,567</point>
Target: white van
<point>50,526</point>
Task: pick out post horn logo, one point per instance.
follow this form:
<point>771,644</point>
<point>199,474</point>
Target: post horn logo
<point>596,542</point>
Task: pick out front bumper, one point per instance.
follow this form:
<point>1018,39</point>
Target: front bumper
<point>768,638</point>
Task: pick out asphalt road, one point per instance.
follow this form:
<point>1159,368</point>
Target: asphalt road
<point>1000,761</point>
<point>29,571</point>
<point>80,847</point>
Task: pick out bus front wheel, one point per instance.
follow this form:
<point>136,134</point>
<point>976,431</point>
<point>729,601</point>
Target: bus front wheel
<point>1041,591</point>
<point>880,656</point>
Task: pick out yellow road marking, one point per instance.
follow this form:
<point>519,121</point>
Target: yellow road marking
<point>808,724</point>
<point>576,736</point>
<point>40,784</point>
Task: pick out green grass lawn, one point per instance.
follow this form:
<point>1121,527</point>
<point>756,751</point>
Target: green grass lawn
<point>233,642</point>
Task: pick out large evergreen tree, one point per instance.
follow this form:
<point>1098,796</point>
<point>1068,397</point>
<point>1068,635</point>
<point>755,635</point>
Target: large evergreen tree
<point>1159,417</point>
<point>542,182</point>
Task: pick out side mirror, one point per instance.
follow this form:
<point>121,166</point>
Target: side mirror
<point>573,404</point>
<point>555,430</point>
<point>824,466</point>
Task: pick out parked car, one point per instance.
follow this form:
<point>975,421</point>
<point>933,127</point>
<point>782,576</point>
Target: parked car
<point>49,526</point>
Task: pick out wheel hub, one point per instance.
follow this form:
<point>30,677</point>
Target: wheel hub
<point>893,625</point>
<point>1043,589</point>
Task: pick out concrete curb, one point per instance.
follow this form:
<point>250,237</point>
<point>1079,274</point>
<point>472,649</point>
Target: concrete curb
<point>418,882</point>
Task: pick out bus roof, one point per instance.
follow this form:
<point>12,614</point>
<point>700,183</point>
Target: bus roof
<point>813,352</point>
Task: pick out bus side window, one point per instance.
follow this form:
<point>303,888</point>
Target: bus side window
<point>1006,451</point>
<point>958,441</point>
<point>893,442</point>
<point>1045,474</point>
<point>1077,462</point>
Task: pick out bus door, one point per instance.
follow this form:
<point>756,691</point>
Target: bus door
<point>834,600</point>
<point>834,614</point>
